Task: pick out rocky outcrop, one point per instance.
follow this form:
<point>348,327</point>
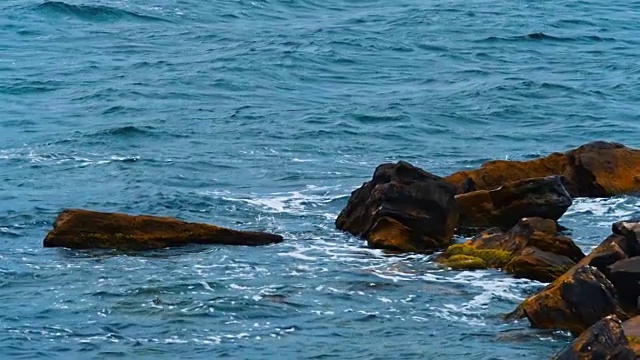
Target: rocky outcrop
<point>573,302</point>
<point>602,283</point>
<point>502,207</point>
<point>596,169</point>
<point>605,340</point>
<point>531,249</point>
<point>84,229</point>
<point>402,208</point>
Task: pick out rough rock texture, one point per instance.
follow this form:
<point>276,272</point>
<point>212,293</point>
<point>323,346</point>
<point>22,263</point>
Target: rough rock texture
<point>535,264</point>
<point>573,302</point>
<point>403,208</point>
<point>84,229</point>
<point>632,331</point>
<point>585,293</point>
<point>625,277</point>
<point>605,340</point>
<point>503,207</point>
<point>595,169</point>
<point>530,249</point>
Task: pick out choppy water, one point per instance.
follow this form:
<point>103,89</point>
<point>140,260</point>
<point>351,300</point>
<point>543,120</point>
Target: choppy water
<point>265,115</point>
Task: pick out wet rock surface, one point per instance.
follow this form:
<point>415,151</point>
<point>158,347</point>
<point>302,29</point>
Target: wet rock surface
<point>605,340</point>
<point>402,208</point>
<point>504,206</point>
<point>531,249</point>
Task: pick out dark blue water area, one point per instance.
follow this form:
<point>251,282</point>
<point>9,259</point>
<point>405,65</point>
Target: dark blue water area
<point>265,115</point>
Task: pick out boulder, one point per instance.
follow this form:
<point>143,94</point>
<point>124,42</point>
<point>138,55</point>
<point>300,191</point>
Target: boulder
<point>84,229</point>
<point>535,264</point>
<point>625,277</point>
<point>631,329</point>
<point>604,340</point>
<point>402,208</point>
<point>596,169</point>
<point>567,313</point>
<point>573,302</point>
<point>531,249</point>
<point>502,207</point>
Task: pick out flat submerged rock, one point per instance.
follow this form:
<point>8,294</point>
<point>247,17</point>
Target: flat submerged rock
<point>85,229</point>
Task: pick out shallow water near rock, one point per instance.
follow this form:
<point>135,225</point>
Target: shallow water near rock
<point>265,115</point>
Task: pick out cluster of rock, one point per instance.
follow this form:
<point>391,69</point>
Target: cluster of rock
<point>514,207</point>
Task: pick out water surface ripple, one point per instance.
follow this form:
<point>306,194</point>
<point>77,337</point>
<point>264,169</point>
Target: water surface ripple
<point>265,115</point>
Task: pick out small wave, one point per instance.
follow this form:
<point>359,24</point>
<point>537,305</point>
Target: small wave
<point>93,12</point>
<point>126,131</point>
<point>540,36</point>
<point>130,131</point>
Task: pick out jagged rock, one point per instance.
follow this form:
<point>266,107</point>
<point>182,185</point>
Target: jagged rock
<point>631,231</point>
<point>605,340</point>
<point>517,250</point>
<point>632,331</point>
<point>402,208</point>
<point>614,248</point>
<point>503,207</point>
<point>625,277</point>
<point>596,169</point>
<point>535,264</point>
<point>84,229</point>
<point>573,302</point>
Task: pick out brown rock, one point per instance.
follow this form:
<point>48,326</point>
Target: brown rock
<point>533,263</point>
<point>84,229</point>
<point>595,169</point>
<point>403,208</point>
<point>625,277</point>
<point>632,331</point>
<point>573,302</point>
<point>503,207</point>
<point>605,340</point>
<point>531,249</point>
<point>613,249</point>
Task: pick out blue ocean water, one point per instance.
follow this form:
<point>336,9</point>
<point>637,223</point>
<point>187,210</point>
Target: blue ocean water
<point>265,115</point>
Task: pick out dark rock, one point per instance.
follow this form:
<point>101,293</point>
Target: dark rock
<point>84,229</point>
<point>533,263</point>
<point>625,277</point>
<point>573,302</point>
<point>403,208</point>
<point>630,229</point>
<point>595,169</point>
<point>605,340</point>
<point>610,251</point>
<point>503,207</point>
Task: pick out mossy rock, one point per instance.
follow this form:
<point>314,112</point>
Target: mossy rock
<point>464,262</point>
<point>493,258</point>
<point>633,340</point>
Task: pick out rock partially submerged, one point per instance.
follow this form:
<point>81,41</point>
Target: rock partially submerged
<point>502,207</point>
<point>402,208</point>
<point>531,249</point>
<point>573,302</point>
<point>84,229</point>
<point>605,340</point>
<point>596,169</point>
<point>603,283</point>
